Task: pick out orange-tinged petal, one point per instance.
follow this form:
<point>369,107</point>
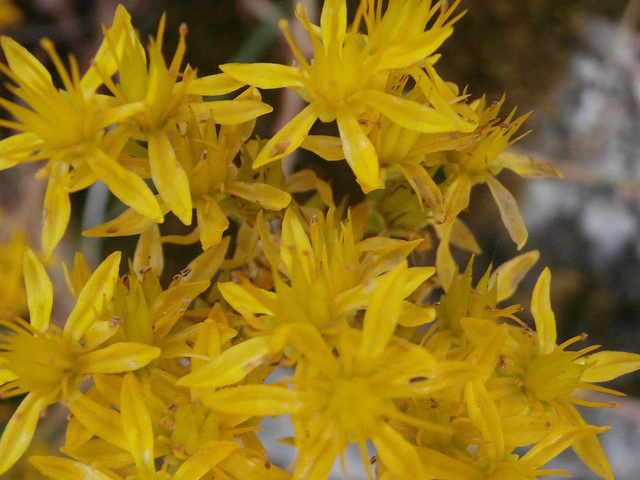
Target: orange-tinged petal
<point>508,275</point>
<point>208,456</point>
<point>509,212</point>
<point>358,150</point>
<point>289,137</point>
<point>168,176</point>
<point>19,430</point>
<point>609,365</point>
<point>125,185</point>
<point>136,423</point>
<point>408,114</point>
<point>543,315</point>
<point>264,75</point>
<point>92,297</point>
<point>59,468</point>
<point>231,366</point>
<point>39,290</point>
<point>117,358</point>
<point>258,400</point>
<point>266,196</point>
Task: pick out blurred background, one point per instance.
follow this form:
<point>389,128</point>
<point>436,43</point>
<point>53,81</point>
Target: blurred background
<point>575,63</point>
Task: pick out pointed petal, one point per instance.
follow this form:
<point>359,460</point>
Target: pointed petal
<point>264,75</point>
<point>543,315</point>
<point>609,365</point>
<point>508,275</point>
<point>231,366</point>
<point>19,430</point>
<point>125,185</point>
<point>99,419</point>
<point>59,468</point>
<point>525,166</point>
<point>129,222</point>
<point>25,66</point>
<point>408,114</point>
<point>509,212</point>
<point>168,176</point>
<point>258,400</point>
<point>207,457</point>
<point>358,150</point>
<point>91,299</point>
<point>136,423</point>
<point>398,455</point>
<point>57,208</point>
<point>213,85</point>
<point>425,187</point>
<point>266,196</point>
<point>117,358</point>
<point>288,137</point>
<point>212,222</point>
<point>149,251</point>
<point>39,290</point>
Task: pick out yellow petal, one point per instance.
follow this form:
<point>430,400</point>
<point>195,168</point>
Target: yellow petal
<point>77,276</point>
<point>25,66</point>
<point>445,264</point>
<point>39,290</point>
<point>212,222</point>
<point>117,358</point>
<point>333,24</point>
<point>92,297</point>
<point>99,419</point>
<point>609,365</point>
<point>225,112</point>
<point>125,185</point>
<point>509,212</point>
<point>408,114</point>
<point>306,180</point>
<point>258,400</point>
<point>266,196</point>
<point>264,75</point>
<point>59,468</point>
<point>136,423</point>
<point>358,150</point>
<point>204,266</point>
<point>149,251</point>
<point>525,166</point>
<point>172,303</point>
<point>19,430</point>
<point>382,313</point>
<point>129,222</point>
<point>248,299</point>
<point>405,54</point>
<point>425,187</point>
<point>397,454</point>
<point>288,137</point>
<point>484,415</point>
<point>57,208</point>
<point>543,315</point>
<point>231,366</point>
<point>508,275</point>
<point>208,456</point>
<point>168,176</point>
<point>413,315</point>
<point>213,85</point>
<point>325,146</point>
<point>296,246</point>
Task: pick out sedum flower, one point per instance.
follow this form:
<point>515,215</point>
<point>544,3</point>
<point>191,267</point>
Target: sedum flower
<point>346,81</point>
<point>68,127</point>
<point>47,364</point>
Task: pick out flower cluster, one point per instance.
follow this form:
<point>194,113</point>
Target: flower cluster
<point>171,381</point>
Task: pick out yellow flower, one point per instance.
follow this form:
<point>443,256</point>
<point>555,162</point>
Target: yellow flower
<point>12,297</point>
<point>346,80</point>
<point>67,126</point>
<point>48,364</point>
